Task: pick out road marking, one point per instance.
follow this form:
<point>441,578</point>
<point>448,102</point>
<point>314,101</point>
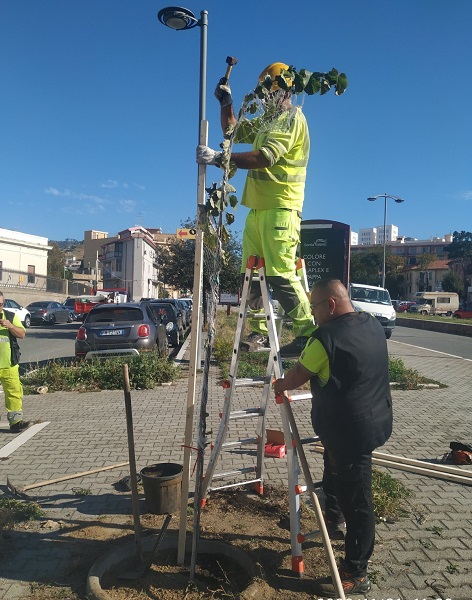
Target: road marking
<point>430,350</point>
<point>21,439</point>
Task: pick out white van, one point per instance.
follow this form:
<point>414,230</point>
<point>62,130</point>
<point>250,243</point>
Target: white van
<point>375,300</point>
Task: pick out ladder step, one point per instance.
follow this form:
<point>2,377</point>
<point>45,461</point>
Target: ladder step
<point>304,396</point>
<point>233,485</point>
<point>240,471</point>
<point>252,381</point>
<point>252,440</point>
<point>246,413</point>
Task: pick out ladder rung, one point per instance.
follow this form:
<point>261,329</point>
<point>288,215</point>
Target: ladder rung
<point>232,485</point>
<point>240,471</point>
<point>252,381</point>
<point>305,396</point>
<point>252,440</point>
<point>246,413</point>
<point>303,537</point>
<point>263,316</point>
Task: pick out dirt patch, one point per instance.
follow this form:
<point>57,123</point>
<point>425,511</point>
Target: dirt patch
<point>257,525</point>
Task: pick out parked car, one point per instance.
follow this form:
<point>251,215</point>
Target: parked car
<point>404,306</point>
<point>70,304</point>
<point>180,308</point>
<point>49,312</point>
<point>167,314</point>
<point>117,329</point>
<point>463,313</point>
<point>23,313</point>
<point>188,305</point>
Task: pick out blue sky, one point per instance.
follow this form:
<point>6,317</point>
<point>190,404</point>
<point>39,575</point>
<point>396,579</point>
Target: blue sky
<point>99,109</point>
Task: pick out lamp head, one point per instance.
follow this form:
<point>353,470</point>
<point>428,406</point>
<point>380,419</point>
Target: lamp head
<point>177,18</point>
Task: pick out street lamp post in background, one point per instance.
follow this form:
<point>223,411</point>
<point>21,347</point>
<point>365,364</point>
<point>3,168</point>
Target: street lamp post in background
<point>398,201</point>
<point>179,19</point>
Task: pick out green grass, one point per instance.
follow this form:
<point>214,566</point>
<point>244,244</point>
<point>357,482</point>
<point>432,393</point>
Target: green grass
<point>389,496</point>
<point>440,318</point>
<point>15,511</point>
<point>145,372</point>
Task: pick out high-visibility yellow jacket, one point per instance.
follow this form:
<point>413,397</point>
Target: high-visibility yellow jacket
<point>286,145</point>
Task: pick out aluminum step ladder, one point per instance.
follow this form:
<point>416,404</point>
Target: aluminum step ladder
<point>254,475</point>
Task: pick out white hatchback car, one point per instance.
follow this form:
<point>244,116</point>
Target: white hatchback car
<point>16,308</point>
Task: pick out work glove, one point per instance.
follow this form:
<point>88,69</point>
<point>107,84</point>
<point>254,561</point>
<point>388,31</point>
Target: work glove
<point>207,156</point>
<point>223,94</point>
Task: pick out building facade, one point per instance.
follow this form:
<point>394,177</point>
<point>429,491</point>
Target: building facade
<point>23,259</point>
<point>129,261</point>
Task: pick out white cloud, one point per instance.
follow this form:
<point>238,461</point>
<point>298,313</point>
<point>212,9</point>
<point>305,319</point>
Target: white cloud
<point>466,195</point>
<point>53,191</point>
<point>127,205</point>
<point>88,203</point>
<point>110,184</point>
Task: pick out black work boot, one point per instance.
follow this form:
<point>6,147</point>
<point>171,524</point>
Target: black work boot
<point>19,426</point>
<point>255,342</point>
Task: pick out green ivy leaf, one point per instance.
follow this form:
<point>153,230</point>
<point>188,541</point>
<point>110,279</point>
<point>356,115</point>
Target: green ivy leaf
<point>332,76</point>
<point>341,85</point>
<point>313,86</point>
<point>229,218</point>
<point>301,80</point>
<point>232,199</point>
<point>325,86</point>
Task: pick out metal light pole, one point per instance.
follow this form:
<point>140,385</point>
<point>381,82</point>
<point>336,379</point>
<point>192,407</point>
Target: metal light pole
<point>179,18</point>
<point>398,201</point>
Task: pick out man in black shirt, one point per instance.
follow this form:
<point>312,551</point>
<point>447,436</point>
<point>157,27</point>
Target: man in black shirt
<point>346,361</point>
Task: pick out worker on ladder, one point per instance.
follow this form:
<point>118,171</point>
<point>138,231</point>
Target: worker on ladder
<point>346,361</point>
<point>274,193</point>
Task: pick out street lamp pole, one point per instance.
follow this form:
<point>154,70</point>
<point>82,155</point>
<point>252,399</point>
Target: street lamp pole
<point>179,18</point>
<point>398,201</point>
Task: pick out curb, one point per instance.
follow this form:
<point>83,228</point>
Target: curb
<point>127,552</point>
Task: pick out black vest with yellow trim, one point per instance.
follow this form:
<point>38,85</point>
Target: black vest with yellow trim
<point>352,412</point>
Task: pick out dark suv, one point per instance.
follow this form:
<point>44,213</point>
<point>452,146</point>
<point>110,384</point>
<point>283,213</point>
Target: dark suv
<point>167,314</point>
<point>117,329</point>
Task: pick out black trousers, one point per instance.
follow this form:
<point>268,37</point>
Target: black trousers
<point>348,491</point>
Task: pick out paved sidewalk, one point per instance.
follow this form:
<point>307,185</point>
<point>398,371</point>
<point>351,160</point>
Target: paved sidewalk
<point>425,555</point>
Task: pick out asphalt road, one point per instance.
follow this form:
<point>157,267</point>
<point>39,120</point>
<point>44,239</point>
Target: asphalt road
<point>456,345</point>
<point>43,343</point>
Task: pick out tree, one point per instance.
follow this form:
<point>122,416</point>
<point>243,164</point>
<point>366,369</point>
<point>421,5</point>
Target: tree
<point>461,251</point>
<point>56,262</point>
<point>176,264</point>
<point>451,283</point>
<point>366,267</point>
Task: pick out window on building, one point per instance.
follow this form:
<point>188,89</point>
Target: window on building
<point>31,274</point>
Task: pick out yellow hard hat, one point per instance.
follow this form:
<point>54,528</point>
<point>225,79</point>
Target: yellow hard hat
<point>273,71</point>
